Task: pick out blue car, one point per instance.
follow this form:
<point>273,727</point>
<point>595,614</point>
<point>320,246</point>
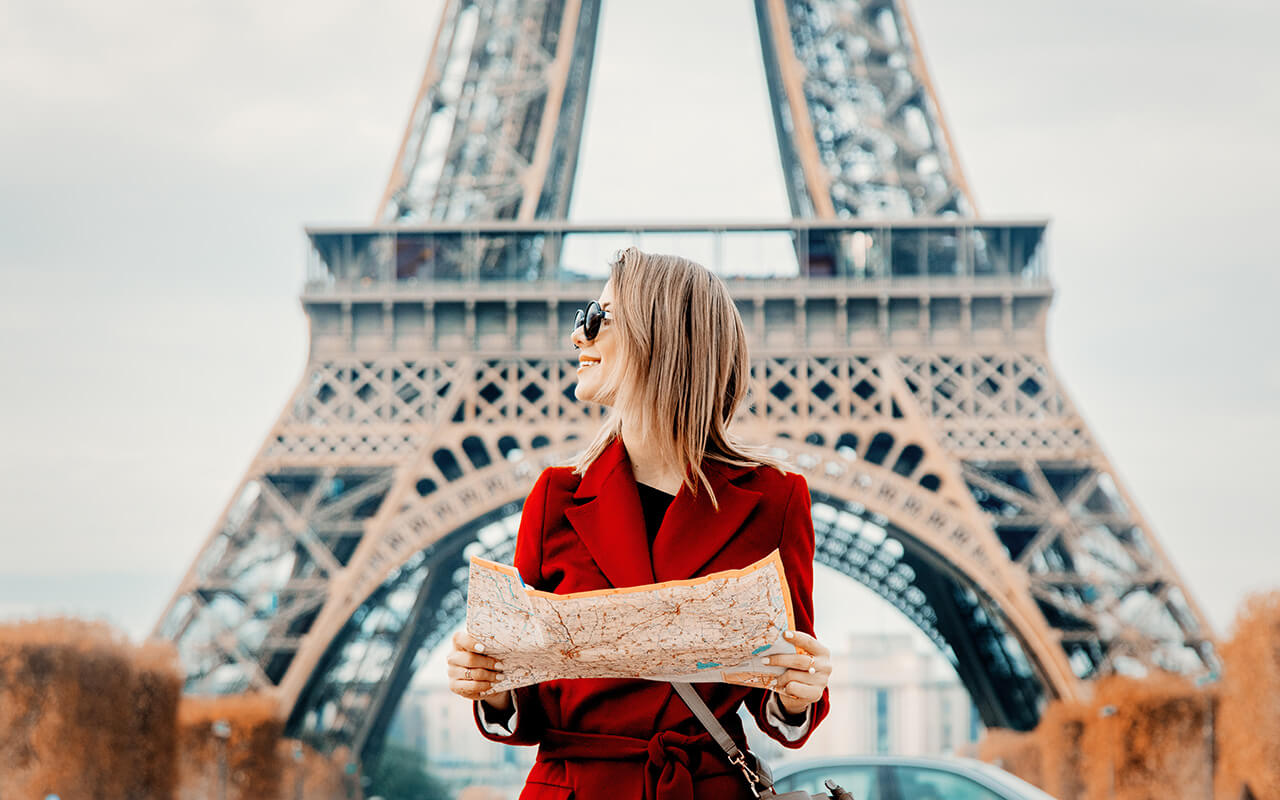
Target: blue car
<point>905,778</point>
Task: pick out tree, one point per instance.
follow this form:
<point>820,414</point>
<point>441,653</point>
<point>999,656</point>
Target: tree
<point>401,774</point>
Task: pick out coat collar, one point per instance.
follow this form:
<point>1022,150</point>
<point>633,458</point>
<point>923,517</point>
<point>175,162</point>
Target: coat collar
<point>611,521</point>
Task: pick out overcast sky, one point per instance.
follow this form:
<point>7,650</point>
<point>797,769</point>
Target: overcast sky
<point>158,162</point>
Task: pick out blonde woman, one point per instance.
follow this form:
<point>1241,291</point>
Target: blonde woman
<point>662,493</point>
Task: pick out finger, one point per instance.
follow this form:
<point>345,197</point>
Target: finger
<point>802,691</point>
<point>779,683</point>
<point>474,674</point>
<point>800,676</point>
<point>462,658</point>
<point>807,643</point>
<point>470,689</point>
<point>465,641</point>
<point>464,693</point>
<point>794,678</point>
<point>800,661</point>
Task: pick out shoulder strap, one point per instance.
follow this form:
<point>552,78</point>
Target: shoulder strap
<point>700,710</point>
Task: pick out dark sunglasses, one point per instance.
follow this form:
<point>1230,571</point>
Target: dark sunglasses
<point>589,320</point>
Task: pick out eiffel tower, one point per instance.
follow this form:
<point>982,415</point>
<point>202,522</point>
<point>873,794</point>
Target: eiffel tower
<point>899,362</point>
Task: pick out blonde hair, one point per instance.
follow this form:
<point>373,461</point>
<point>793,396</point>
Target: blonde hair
<point>685,368</point>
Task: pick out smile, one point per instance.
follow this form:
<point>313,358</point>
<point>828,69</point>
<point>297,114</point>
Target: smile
<point>587,361</point>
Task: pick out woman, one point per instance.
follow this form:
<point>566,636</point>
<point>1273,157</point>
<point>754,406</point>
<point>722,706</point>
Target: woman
<point>662,493</point>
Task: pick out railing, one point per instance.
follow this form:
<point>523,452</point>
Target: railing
<point>350,258</point>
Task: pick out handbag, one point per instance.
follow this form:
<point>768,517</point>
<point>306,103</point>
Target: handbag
<point>756,771</point>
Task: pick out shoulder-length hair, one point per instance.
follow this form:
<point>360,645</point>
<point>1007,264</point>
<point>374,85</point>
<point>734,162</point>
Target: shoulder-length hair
<point>685,368</point>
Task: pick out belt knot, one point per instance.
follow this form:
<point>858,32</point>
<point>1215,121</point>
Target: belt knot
<point>667,772</point>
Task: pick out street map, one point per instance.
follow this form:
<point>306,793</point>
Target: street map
<point>718,627</point>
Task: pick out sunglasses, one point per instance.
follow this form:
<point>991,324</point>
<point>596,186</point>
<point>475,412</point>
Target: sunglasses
<point>590,320</point>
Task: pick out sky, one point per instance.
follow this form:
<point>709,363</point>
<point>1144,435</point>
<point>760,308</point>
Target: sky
<point>158,162</point>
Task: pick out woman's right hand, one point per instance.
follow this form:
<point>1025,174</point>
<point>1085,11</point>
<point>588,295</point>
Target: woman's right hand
<point>472,673</point>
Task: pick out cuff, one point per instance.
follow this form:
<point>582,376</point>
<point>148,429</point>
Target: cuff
<point>778,716</point>
<point>499,723</point>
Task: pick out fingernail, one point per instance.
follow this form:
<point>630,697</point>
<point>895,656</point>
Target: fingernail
<point>773,683</point>
<point>766,659</point>
<point>479,647</point>
<point>497,665</point>
<point>812,670</point>
<point>789,635</point>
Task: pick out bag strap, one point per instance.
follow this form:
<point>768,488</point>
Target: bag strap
<point>700,710</point>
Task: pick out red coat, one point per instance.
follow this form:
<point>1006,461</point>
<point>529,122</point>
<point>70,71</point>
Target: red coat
<point>580,534</point>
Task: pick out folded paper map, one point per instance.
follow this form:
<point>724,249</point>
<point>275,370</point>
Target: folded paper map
<point>717,627</point>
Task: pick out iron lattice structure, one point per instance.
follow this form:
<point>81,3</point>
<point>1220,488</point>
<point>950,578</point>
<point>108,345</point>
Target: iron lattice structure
<point>899,362</point>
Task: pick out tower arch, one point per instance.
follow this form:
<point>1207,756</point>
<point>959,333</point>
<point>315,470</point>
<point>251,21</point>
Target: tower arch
<point>871,524</point>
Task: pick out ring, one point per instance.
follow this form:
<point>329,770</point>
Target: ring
<point>812,661</point>
<point>466,673</point>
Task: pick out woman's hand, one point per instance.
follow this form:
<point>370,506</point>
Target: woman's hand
<point>807,672</point>
<point>472,673</point>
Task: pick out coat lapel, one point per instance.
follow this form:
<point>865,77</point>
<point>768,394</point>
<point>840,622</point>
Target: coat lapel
<point>611,522</point>
<point>693,532</point>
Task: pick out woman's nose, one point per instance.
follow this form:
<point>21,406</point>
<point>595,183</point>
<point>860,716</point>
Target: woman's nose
<point>577,339</point>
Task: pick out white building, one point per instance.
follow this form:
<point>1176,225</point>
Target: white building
<point>890,693</point>
<point>437,723</point>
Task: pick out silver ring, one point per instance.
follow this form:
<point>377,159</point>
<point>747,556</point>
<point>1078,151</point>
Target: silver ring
<point>466,674</point>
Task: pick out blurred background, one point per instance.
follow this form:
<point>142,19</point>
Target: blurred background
<point>158,162</point>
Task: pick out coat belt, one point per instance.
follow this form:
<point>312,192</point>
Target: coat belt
<point>667,756</point>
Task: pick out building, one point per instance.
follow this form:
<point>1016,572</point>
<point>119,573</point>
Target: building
<point>890,693</point>
<point>438,724</point>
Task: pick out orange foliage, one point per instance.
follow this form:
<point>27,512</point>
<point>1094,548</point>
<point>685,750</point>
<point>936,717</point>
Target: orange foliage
<point>257,763</point>
<point>1156,745</point>
<point>246,760</point>
<point>85,713</point>
<point>1014,752</point>
<point>1166,738</point>
<point>1058,735</point>
<point>316,776</point>
<point>1249,711</point>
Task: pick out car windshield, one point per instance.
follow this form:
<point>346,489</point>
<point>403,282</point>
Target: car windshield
<point>1008,781</point>
<point>858,780</point>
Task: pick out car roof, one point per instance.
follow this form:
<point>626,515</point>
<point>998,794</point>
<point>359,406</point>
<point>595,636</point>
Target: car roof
<point>943,762</point>
<point>969,767</point>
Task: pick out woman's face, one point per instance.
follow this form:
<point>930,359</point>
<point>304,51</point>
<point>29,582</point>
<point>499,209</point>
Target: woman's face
<point>599,358</point>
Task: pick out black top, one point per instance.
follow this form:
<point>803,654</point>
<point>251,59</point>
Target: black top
<point>654,502</point>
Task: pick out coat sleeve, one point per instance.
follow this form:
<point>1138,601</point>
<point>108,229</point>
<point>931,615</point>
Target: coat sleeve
<point>529,720</point>
<point>796,546</point>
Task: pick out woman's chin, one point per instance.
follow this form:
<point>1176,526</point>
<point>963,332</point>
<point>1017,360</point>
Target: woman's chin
<point>588,395</point>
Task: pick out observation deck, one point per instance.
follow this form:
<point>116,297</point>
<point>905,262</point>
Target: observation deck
<point>506,287</point>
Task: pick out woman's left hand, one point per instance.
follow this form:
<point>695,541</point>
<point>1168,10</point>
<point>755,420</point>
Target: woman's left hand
<point>807,672</point>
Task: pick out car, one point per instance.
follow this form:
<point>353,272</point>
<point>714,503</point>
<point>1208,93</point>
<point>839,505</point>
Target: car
<point>905,778</point>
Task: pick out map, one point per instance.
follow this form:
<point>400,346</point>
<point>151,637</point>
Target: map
<point>718,627</point>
